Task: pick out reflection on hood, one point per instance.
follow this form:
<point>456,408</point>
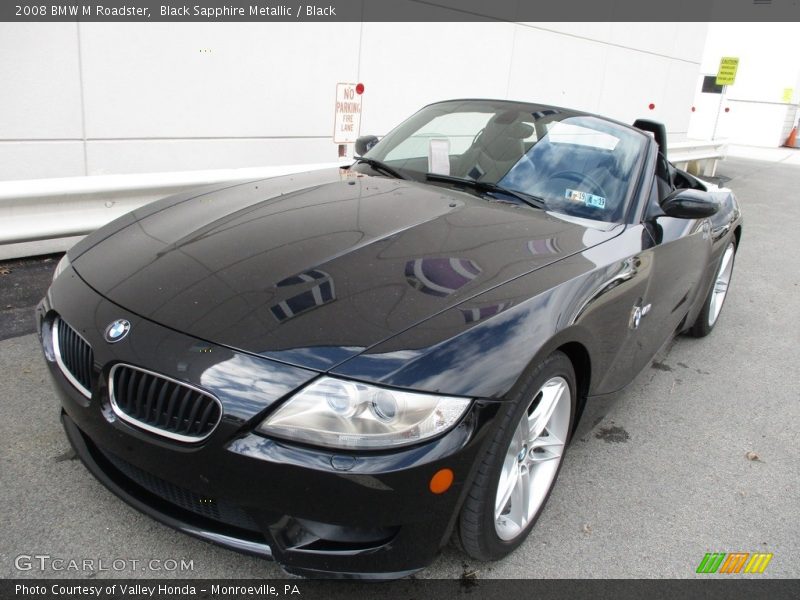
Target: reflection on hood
<point>473,315</point>
<point>321,292</point>
<point>544,246</point>
<point>440,276</point>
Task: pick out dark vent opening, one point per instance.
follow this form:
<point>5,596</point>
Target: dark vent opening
<point>218,510</point>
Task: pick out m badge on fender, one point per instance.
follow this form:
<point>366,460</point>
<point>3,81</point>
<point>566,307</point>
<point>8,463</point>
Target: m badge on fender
<point>636,315</point>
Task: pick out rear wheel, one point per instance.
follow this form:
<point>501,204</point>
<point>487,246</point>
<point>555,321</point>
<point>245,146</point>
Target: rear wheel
<point>716,296</point>
<point>522,463</point>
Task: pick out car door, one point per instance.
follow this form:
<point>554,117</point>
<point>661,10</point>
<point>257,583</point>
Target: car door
<point>680,251</point>
<point>667,270</point>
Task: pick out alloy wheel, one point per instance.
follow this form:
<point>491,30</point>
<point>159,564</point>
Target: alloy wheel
<point>532,458</point>
<point>721,285</point>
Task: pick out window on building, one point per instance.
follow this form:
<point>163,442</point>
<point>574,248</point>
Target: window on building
<point>710,85</point>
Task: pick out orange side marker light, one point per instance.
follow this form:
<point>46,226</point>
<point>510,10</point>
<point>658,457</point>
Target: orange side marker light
<point>441,481</point>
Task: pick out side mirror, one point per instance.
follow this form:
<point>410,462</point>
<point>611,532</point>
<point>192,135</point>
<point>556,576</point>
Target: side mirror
<point>364,144</point>
<point>689,204</point>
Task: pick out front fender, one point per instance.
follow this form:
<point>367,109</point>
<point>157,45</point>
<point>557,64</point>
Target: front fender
<point>483,346</point>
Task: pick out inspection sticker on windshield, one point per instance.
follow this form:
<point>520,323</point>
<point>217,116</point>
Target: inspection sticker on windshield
<point>586,198</point>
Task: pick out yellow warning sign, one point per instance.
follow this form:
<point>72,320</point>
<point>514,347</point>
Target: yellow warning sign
<point>726,75</point>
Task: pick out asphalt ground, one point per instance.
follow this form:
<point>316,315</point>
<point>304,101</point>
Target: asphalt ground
<point>23,282</point>
<point>699,454</point>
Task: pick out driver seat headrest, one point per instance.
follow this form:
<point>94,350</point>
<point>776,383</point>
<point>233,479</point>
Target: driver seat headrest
<point>503,141</point>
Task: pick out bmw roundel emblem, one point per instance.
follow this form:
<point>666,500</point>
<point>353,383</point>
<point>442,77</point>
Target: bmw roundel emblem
<point>117,330</point>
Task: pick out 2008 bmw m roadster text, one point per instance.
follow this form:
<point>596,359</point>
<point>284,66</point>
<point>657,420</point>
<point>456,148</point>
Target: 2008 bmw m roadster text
<point>342,369</point>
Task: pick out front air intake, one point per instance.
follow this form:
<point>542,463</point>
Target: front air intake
<point>162,405</point>
<point>222,511</point>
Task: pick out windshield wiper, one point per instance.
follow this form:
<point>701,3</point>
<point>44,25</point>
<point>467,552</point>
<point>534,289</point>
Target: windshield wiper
<point>380,166</point>
<point>486,186</point>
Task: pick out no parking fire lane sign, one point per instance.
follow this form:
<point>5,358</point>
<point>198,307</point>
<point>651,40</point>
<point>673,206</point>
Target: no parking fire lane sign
<point>347,122</point>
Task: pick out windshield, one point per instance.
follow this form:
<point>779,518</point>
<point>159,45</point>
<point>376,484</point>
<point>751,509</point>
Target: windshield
<point>578,164</point>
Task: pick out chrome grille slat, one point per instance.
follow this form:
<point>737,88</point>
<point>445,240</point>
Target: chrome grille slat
<point>74,356</point>
<point>151,392</point>
<point>173,398</point>
<point>204,419</point>
<point>142,382</point>
<point>190,422</point>
<point>83,352</point>
<point>184,403</point>
<point>162,394</point>
<point>131,389</point>
<point>79,359</point>
<point>162,405</point>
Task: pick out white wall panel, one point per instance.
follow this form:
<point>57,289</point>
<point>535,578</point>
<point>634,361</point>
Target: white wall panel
<point>644,37</point>
<point>689,41</point>
<point>736,125</point>
<point>154,156</point>
<point>701,123</point>
<point>634,80</point>
<point>555,69</point>
<point>405,66</point>
<point>214,79</point>
<point>39,81</point>
<point>38,160</point>
<point>675,107</point>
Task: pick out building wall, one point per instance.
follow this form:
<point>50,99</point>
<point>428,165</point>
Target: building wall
<point>103,98</point>
<point>759,113</point>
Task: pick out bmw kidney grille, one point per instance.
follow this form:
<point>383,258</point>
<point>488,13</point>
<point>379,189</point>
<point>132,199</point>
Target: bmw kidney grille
<point>74,356</point>
<point>162,405</point>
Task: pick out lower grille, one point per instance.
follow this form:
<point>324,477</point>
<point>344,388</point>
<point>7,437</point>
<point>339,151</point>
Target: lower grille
<point>74,356</point>
<point>162,405</point>
<point>219,510</point>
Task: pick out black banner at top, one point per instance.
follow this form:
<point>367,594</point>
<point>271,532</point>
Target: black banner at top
<point>400,10</point>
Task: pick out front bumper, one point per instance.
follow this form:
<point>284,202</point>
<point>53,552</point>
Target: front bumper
<point>316,512</point>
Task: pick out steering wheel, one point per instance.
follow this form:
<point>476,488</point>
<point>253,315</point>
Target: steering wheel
<point>580,179</point>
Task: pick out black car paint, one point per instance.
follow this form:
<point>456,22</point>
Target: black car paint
<point>229,258</point>
<point>199,312</point>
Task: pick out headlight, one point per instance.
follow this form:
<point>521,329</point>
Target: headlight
<point>62,266</point>
<point>345,414</point>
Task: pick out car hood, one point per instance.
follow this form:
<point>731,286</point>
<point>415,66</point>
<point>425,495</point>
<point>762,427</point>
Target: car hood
<point>312,269</point>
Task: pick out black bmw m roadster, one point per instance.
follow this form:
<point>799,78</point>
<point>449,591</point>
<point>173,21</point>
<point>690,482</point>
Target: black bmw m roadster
<point>342,369</point>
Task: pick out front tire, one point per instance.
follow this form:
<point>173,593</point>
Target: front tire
<point>521,465</point>
<point>712,307</point>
